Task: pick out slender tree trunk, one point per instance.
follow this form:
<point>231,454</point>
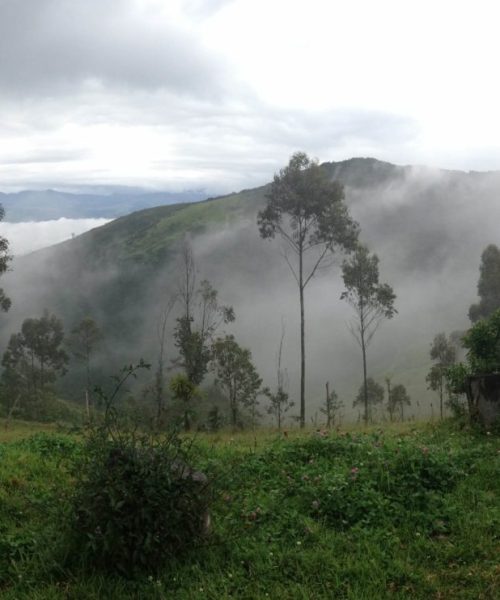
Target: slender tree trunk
<point>365,380</point>
<point>441,399</point>
<point>87,404</point>
<point>302,347</point>
<point>328,407</point>
<point>159,392</point>
<point>87,390</point>
<point>389,404</point>
<point>234,414</point>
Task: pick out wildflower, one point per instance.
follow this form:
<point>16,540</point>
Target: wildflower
<point>354,470</point>
<point>299,543</point>
<point>226,498</point>
<point>425,450</point>
<point>305,477</point>
<point>315,504</point>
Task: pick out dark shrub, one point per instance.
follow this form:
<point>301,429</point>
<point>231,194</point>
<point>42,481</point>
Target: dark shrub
<point>137,503</point>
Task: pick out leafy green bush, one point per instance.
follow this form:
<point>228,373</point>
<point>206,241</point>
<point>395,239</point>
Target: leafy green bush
<point>483,344</point>
<point>137,500</point>
<point>137,503</point>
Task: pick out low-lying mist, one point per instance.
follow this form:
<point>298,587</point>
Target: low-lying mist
<point>427,227</point>
<point>28,236</point>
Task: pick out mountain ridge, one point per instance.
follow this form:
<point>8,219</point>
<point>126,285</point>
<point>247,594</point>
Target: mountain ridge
<point>45,205</point>
<point>38,205</point>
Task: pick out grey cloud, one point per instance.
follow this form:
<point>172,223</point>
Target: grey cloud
<point>205,8</point>
<point>51,46</point>
<point>44,156</point>
<point>253,141</point>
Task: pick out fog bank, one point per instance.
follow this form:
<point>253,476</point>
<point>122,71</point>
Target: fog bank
<point>28,236</point>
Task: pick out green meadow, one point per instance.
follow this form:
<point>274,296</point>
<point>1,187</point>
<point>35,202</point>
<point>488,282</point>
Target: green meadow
<point>411,511</point>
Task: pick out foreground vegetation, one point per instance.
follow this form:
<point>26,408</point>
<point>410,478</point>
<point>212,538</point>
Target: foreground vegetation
<point>411,512</point>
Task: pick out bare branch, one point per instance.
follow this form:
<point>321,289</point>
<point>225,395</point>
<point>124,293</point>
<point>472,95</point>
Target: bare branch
<point>311,274</point>
<point>285,256</point>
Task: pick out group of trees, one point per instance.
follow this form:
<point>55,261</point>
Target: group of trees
<point>397,399</point>
<point>202,350</point>
<point>37,355</point>
<point>446,376</point>
<point>307,210</point>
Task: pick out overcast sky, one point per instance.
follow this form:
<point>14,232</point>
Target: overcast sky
<point>216,94</point>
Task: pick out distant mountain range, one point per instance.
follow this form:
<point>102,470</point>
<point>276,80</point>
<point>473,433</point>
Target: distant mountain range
<point>428,227</point>
<point>45,205</point>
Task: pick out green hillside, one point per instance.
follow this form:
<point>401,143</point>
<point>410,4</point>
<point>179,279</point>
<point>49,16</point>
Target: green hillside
<point>147,236</point>
<point>418,221</point>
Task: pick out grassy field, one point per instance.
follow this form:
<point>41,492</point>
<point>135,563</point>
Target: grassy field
<point>408,512</point>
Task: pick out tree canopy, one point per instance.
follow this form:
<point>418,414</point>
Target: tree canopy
<point>488,287</point>
<point>398,398</point>
<point>375,395</point>
<point>35,357</point>
<point>444,355</point>
<point>236,374</point>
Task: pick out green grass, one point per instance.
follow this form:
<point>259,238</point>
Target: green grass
<point>148,235</point>
<point>15,430</point>
<point>408,512</point>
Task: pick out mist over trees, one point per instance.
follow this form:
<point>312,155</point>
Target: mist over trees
<point>122,274</point>
<point>82,343</point>
<point>371,301</point>
<point>279,399</point>
<point>397,399</point>
<point>443,353</point>
<point>331,407</point>
<point>238,377</point>
<point>370,395</point>
<point>5,259</point>
<point>307,210</point>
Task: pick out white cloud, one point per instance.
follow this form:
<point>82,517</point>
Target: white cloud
<point>220,93</point>
<point>29,236</point>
